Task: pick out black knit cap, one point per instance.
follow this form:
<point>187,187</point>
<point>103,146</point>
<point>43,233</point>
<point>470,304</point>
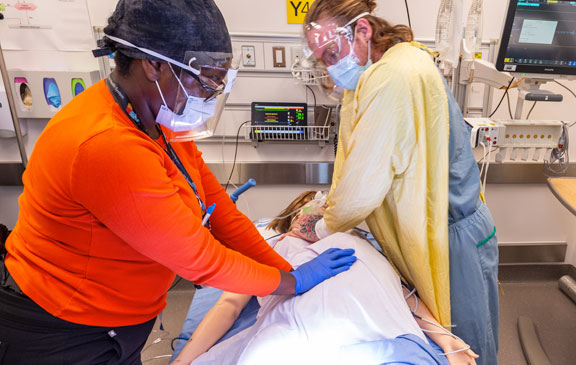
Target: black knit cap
<point>169,27</point>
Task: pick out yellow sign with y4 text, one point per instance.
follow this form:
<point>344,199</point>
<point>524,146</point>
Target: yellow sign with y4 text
<point>296,10</point>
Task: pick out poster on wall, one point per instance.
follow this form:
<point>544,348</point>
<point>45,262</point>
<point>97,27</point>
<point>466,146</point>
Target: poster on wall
<point>296,10</point>
<point>46,25</point>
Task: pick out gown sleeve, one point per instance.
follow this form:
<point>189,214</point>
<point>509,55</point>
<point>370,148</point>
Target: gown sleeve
<point>378,147</point>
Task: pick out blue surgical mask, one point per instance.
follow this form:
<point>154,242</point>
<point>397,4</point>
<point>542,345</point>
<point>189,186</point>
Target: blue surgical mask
<point>347,71</point>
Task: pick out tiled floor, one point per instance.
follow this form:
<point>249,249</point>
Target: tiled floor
<point>553,313</point>
<point>525,293</point>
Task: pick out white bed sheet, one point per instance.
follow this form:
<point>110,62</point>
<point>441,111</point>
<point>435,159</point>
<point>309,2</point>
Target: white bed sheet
<point>363,304</point>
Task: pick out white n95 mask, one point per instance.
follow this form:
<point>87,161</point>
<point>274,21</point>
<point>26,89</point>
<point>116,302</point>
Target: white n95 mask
<point>195,114</point>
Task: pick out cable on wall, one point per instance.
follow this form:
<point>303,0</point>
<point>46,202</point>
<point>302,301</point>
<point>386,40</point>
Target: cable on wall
<point>502,99</point>
<point>235,154</point>
<point>559,161</point>
<point>313,94</point>
<point>408,13</point>
<point>509,106</point>
<point>531,109</point>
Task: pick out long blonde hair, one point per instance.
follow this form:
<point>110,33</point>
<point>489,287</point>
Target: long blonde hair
<point>384,34</point>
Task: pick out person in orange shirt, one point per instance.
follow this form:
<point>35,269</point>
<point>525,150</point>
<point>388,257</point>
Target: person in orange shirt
<point>112,210</point>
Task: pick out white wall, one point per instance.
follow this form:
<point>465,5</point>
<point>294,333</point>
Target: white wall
<point>269,16</point>
<point>422,14</point>
<point>523,213</point>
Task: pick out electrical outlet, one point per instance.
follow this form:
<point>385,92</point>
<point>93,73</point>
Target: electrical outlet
<point>488,135</point>
<point>483,131</point>
<point>297,54</point>
<point>279,56</point>
<point>248,56</point>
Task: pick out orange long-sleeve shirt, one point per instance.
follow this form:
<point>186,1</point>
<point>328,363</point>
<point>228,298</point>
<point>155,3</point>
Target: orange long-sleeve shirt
<point>106,219</point>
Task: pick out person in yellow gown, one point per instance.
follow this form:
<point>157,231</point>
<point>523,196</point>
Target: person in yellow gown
<point>405,166</point>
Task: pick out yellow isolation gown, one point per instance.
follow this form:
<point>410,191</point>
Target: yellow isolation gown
<point>391,169</point>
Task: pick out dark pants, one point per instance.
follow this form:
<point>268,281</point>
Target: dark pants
<point>30,335</point>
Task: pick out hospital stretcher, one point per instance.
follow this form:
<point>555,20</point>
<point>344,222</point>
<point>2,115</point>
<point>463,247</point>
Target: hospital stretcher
<point>204,299</point>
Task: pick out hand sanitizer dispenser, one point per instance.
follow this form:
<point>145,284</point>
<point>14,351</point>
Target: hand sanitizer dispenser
<point>6,123</point>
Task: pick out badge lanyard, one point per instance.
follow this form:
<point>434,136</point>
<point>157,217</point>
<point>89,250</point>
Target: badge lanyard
<point>122,100</point>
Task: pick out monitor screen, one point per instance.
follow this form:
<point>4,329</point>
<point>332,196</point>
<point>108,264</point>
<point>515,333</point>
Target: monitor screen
<point>279,114</point>
<point>539,37</point>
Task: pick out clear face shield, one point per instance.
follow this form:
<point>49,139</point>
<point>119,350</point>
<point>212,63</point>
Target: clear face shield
<point>205,80</point>
<point>333,46</point>
<point>327,43</point>
<point>204,87</point>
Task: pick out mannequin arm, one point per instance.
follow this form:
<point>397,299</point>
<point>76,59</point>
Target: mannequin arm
<point>214,325</point>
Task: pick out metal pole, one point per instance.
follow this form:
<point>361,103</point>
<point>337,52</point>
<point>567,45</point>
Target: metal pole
<point>12,107</point>
<point>489,90</point>
<point>519,105</point>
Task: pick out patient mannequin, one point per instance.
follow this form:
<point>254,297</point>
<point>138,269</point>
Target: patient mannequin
<point>222,316</point>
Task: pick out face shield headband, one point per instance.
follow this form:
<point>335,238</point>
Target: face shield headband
<point>326,43</point>
<point>204,85</point>
<point>329,37</point>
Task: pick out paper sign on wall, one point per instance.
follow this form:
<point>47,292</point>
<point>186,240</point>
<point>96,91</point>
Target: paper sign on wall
<point>296,10</point>
<point>46,25</point>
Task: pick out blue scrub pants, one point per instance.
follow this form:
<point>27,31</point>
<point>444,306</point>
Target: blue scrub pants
<point>474,283</point>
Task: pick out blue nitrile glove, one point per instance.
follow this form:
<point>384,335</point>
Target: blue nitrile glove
<point>329,263</point>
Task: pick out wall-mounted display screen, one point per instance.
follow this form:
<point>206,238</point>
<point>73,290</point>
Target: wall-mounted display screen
<point>539,37</point>
<point>279,114</point>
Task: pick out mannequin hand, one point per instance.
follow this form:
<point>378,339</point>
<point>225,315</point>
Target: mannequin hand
<point>467,357</point>
<point>305,227</point>
<point>328,264</point>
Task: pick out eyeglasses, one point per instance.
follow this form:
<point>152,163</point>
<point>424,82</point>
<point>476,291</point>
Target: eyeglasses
<point>210,86</point>
<point>212,79</point>
<point>331,54</point>
<point>325,43</point>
